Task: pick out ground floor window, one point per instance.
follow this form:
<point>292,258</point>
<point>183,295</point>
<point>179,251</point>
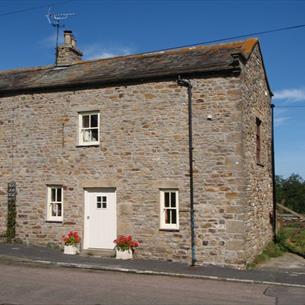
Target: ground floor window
<point>55,203</point>
<point>169,209</point>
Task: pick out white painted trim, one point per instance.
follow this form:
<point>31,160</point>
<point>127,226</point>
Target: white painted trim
<point>49,209</point>
<point>163,225</point>
<point>80,128</point>
<point>86,230</point>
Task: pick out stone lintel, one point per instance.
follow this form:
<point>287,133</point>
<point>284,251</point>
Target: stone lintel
<point>167,184</point>
<point>99,183</point>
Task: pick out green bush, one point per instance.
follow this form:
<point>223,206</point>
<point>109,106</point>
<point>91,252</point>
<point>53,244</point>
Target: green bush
<point>291,191</point>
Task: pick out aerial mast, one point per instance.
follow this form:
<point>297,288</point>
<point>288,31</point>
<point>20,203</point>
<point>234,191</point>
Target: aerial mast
<point>55,19</point>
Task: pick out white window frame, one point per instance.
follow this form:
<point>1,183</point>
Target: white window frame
<point>80,128</point>
<point>163,225</point>
<point>50,217</point>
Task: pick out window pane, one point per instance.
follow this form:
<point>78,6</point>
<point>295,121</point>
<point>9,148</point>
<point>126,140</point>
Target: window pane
<point>53,194</point>
<point>59,194</point>
<point>54,209</point>
<point>85,121</point>
<point>167,216</point>
<point>98,202</point>
<point>173,199</point>
<point>86,135</point>
<point>59,209</point>
<point>93,120</point>
<point>104,202</point>
<point>174,216</point>
<point>166,199</point>
<point>94,135</point>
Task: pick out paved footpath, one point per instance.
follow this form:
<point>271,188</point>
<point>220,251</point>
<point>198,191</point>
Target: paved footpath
<point>52,257</point>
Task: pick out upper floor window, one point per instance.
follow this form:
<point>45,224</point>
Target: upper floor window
<point>258,141</point>
<point>55,203</point>
<point>89,123</point>
<point>169,209</point>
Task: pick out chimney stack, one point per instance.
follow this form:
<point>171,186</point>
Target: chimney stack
<point>67,53</point>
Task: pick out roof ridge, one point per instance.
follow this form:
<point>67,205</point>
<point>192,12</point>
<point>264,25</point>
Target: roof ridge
<point>175,50</point>
<point>134,67</point>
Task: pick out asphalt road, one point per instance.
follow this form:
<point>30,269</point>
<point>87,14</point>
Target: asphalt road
<point>22,284</point>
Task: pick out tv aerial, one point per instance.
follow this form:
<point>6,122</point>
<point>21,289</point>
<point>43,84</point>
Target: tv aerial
<point>56,19</point>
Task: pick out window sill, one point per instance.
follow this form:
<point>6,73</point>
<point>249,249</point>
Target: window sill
<point>260,164</point>
<point>169,230</point>
<point>88,145</point>
<point>54,221</point>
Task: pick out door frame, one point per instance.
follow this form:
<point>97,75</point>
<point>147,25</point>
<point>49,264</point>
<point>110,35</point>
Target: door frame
<point>85,225</point>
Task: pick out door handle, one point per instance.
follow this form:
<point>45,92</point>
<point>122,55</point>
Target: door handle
<point>88,217</point>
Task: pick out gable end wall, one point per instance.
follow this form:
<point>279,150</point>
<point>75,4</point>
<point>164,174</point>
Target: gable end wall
<point>218,180</point>
<point>258,196</point>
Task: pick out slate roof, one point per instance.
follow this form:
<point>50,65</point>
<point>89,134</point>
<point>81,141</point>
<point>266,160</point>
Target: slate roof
<point>197,59</point>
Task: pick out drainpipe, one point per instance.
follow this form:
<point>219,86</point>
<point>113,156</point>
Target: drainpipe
<point>273,174</point>
<point>186,83</point>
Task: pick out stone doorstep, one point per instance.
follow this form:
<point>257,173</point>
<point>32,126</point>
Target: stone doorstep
<point>98,252</point>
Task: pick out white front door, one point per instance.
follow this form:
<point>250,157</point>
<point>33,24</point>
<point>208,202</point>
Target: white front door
<point>100,218</point>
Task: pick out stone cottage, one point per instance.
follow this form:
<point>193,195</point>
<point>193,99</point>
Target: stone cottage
<point>172,147</point>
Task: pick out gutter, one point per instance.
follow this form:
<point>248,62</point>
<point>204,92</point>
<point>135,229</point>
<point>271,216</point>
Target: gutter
<point>186,83</point>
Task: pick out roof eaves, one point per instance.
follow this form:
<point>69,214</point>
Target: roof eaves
<point>115,81</point>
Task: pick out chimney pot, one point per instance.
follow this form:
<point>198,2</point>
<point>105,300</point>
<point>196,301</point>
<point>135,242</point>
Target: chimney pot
<point>68,37</point>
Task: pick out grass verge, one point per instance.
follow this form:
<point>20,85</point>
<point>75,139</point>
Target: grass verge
<point>271,250</point>
<point>289,239</point>
<point>293,239</point>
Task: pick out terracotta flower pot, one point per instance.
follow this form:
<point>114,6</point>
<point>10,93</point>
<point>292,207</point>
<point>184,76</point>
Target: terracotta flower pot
<point>127,254</point>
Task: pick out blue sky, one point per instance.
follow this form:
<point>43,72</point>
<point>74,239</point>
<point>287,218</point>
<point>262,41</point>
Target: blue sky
<point>108,28</point>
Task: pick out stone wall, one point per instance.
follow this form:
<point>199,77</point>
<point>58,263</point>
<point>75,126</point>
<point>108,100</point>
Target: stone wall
<point>258,198</point>
<point>67,55</point>
<point>6,159</point>
<point>218,180</point>
<point>143,147</point>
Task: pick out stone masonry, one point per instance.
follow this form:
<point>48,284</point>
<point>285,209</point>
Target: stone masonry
<point>257,196</point>
<point>144,148</point>
<point>68,53</point>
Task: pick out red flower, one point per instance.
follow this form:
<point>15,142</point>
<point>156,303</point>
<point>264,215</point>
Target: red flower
<point>124,243</point>
<point>72,238</point>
